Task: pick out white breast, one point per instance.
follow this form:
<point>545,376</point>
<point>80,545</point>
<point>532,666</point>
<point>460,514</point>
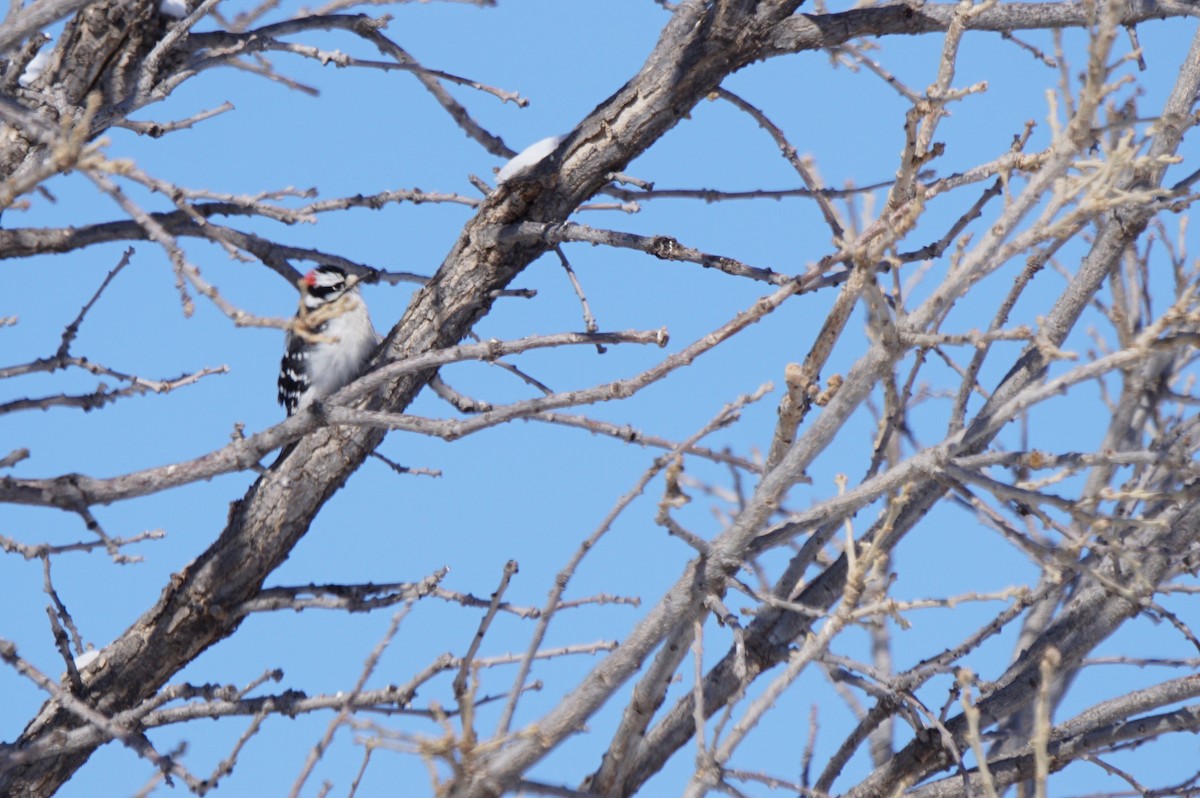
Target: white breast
<point>336,362</point>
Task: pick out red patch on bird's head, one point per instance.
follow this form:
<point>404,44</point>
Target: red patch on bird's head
<point>310,279</point>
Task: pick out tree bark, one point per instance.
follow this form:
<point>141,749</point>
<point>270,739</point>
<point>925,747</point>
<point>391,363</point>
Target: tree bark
<point>701,45</point>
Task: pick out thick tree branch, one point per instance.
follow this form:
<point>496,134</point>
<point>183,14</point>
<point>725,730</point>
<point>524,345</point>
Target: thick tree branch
<point>704,47</point>
<point>818,31</point>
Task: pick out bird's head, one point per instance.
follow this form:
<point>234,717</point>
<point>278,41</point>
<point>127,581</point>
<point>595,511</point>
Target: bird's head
<point>325,284</point>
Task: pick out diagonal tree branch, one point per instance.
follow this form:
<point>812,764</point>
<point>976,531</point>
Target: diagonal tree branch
<point>699,47</point>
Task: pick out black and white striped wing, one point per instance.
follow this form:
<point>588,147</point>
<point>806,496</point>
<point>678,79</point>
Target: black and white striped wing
<point>293,373</point>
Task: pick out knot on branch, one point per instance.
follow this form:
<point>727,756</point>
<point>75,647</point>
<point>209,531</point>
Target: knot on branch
<point>366,25</point>
<point>665,248</point>
<point>68,493</point>
<point>495,350</point>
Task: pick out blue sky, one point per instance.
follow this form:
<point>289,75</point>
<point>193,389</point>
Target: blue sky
<point>524,492</point>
